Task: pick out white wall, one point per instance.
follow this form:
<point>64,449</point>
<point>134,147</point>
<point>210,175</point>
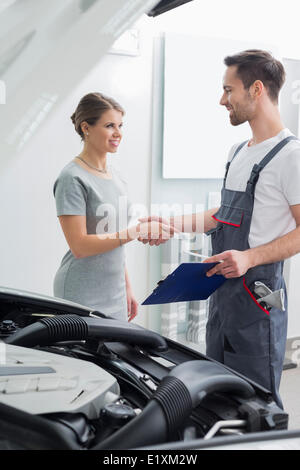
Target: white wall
<point>32,243</point>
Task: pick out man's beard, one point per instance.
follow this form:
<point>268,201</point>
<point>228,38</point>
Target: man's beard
<point>237,118</point>
<point>241,113</point>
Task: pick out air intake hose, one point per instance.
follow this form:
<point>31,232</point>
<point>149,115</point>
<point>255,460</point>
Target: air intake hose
<point>178,393</point>
<point>52,330</point>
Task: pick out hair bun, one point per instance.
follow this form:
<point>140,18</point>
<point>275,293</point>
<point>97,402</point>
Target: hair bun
<point>73,118</point>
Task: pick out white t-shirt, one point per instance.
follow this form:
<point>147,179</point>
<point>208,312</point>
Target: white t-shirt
<point>278,186</point>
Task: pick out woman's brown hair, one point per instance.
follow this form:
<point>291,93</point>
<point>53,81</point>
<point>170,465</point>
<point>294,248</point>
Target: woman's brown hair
<point>90,109</point>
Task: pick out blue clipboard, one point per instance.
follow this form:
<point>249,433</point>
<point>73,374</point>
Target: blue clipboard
<point>188,282</point>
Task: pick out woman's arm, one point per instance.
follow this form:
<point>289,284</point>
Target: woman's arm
<point>83,245</point>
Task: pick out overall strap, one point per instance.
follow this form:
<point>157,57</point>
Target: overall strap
<point>234,155</point>
<point>257,168</point>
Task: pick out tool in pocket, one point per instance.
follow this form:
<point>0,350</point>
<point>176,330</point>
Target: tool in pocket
<point>266,296</point>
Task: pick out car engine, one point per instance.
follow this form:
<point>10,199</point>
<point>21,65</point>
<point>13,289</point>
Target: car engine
<point>75,379</point>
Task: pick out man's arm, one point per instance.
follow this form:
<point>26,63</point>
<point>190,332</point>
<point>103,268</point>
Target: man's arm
<point>236,263</point>
<point>195,223</point>
<point>200,222</point>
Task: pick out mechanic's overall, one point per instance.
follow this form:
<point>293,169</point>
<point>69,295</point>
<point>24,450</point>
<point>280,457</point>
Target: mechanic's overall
<point>257,225</point>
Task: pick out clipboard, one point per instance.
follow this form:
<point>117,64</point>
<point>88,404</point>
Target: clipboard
<point>186,283</point>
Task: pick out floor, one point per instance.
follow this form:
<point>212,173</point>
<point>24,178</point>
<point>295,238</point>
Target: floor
<point>290,383</point>
<point>290,394</point>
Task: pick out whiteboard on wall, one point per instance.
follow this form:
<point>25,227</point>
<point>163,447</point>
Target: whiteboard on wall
<point>197,131</point>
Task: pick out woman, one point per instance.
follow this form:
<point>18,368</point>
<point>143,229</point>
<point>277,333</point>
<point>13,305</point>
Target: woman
<point>88,195</point>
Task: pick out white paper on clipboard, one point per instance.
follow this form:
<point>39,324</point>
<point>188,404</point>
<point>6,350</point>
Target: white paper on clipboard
<point>197,255</point>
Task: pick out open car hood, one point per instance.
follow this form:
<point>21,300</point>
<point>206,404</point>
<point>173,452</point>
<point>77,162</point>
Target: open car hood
<point>46,48</point>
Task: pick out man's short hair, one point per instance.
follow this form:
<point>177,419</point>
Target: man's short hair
<point>255,64</point>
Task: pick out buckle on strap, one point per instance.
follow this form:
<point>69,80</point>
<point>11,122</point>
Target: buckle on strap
<point>254,176</point>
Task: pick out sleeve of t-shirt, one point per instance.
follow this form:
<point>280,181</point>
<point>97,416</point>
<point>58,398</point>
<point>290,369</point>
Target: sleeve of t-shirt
<point>290,178</point>
<point>70,196</point>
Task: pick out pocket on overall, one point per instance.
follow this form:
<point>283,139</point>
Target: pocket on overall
<point>228,215</point>
<point>253,298</point>
<point>243,306</point>
<point>247,337</point>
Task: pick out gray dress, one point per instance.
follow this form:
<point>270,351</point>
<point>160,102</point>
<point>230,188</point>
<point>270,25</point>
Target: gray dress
<point>95,281</point>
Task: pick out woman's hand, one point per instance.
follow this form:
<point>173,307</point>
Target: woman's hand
<point>132,305</point>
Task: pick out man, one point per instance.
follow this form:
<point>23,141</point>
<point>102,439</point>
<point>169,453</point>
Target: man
<point>257,225</point>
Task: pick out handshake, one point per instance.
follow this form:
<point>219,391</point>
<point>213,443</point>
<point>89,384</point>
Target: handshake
<point>155,230</point>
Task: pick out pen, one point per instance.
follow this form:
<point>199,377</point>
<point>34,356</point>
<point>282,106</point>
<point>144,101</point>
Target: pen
<point>195,254</point>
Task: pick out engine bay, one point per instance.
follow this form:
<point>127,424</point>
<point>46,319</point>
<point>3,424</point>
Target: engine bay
<point>74,379</point>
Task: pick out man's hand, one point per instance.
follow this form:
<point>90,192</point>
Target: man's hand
<point>155,230</point>
<point>231,263</point>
